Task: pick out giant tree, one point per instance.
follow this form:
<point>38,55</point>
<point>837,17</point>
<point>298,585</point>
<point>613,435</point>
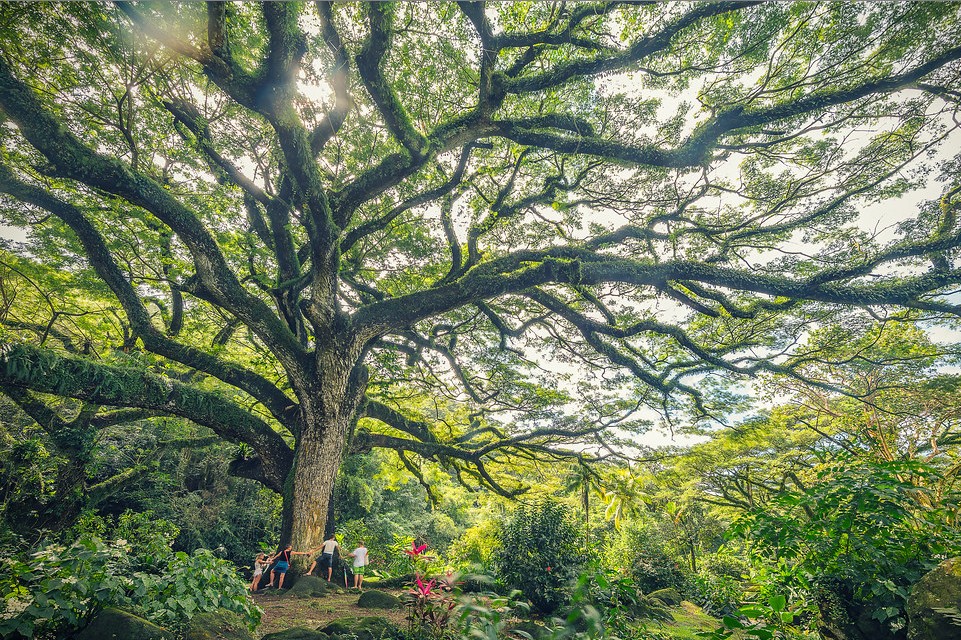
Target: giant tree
<point>540,217</point>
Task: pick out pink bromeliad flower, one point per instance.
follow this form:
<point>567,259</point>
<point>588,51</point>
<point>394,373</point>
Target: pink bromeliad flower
<point>414,550</point>
<point>423,589</point>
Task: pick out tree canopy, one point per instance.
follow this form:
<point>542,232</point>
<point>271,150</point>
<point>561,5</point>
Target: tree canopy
<point>469,232</point>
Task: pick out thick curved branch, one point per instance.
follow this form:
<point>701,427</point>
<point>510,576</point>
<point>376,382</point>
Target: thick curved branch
<point>226,72</point>
<point>636,52</point>
<point>525,269</point>
<point>26,367</point>
<point>365,440</point>
<point>379,224</point>
<point>73,159</point>
<point>286,49</point>
<point>396,167</point>
<point>369,62</point>
<point>98,253</point>
<point>224,169</point>
<point>696,149</point>
<point>271,92</point>
<point>394,418</point>
<point>97,493</point>
<point>119,416</point>
<point>475,12</point>
<point>329,127</point>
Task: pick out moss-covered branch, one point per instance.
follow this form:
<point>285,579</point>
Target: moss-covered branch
<point>525,269</point>
<point>100,257</point>
<point>75,160</point>
<point>27,367</point>
<point>380,16</point>
<point>335,119</point>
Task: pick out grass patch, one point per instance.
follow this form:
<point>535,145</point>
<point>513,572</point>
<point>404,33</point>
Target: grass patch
<point>689,620</point>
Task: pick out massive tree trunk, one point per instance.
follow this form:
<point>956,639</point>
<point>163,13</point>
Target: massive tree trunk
<point>329,411</point>
<point>316,463</point>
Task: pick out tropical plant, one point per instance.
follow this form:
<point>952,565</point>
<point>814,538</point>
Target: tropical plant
<point>540,553</point>
<point>859,532</point>
<point>59,588</point>
<point>431,606</point>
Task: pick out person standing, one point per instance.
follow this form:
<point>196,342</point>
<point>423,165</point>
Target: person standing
<point>326,557</point>
<point>283,564</point>
<point>260,563</point>
<point>361,560</point>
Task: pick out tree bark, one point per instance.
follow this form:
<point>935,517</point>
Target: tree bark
<point>315,470</point>
<point>328,416</point>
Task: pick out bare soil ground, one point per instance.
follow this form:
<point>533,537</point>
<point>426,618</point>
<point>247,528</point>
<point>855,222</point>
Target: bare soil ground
<point>282,611</point>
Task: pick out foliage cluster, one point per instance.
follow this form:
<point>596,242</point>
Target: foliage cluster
<point>381,504</point>
<point>641,550</point>
<point>56,589</point>
<point>540,553</point>
<point>864,530</point>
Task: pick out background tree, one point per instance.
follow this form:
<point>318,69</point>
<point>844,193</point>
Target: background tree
<point>307,214</point>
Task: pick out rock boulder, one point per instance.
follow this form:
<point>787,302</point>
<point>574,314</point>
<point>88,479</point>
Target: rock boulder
<point>369,628</point>
<point>934,604</point>
<point>309,587</point>
<point>218,625</point>
<point>375,599</point>
<point>114,624</point>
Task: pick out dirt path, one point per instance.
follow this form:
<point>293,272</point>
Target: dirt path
<point>282,611</point>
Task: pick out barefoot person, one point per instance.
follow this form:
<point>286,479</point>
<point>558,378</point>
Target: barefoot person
<point>361,559</point>
<point>326,558</point>
<point>283,564</point>
<point>260,563</point>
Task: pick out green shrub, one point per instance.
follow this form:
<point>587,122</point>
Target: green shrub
<point>192,584</point>
<point>724,562</point>
<point>539,554</point>
<point>642,553</point>
<point>60,588</point>
<point>718,586</point>
<point>475,546</point>
<point>148,537</point>
<point>718,595</point>
<point>868,528</point>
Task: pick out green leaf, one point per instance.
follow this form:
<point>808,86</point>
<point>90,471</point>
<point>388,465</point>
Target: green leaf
<point>778,603</point>
<point>732,623</point>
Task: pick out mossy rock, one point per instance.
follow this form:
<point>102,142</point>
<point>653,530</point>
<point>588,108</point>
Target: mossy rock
<point>114,624</point>
<point>218,625</point>
<point>363,628</point>
<point>650,608</point>
<point>375,599</point>
<point>297,633</point>
<point>668,596</point>
<point>940,588</point>
<point>309,587</point>
<point>529,627</point>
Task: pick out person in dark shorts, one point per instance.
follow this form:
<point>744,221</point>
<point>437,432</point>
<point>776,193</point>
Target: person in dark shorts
<point>326,558</point>
<point>283,564</point>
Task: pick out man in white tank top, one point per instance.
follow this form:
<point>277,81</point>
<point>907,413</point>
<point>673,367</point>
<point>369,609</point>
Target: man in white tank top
<point>326,558</point>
